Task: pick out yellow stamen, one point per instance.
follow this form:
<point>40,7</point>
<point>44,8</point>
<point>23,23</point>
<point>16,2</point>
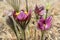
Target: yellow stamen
<point>26,12</point>
<point>17,13</point>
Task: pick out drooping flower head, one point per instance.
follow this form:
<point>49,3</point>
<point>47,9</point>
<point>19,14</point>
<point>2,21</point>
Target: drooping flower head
<point>44,24</point>
<point>39,10</point>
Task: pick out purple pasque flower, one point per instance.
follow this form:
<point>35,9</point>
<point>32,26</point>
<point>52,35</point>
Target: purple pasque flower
<point>23,15</point>
<point>44,24</point>
<point>39,10</point>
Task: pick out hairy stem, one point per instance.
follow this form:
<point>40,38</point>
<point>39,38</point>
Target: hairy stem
<point>46,13</point>
<point>24,36</point>
<point>17,33</point>
<point>42,35</point>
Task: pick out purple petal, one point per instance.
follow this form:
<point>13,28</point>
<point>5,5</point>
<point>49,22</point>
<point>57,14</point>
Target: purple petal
<point>48,22</point>
<point>22,16</point>
<point>49,19</point>
<point>14,14</point>
<point>29,14</point>
<point>36,9</point>
<point>30,11</point>
<point>42,12</point>
<point>40,25</point>
<point>42,19</point>
<point>47,26</point>
<point>41,8</point>
<point>44,24</point>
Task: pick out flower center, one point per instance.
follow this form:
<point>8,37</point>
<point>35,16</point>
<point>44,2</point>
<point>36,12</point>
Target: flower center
<point>17,13</point>
<point>26,12</point>
<point>44,25</point>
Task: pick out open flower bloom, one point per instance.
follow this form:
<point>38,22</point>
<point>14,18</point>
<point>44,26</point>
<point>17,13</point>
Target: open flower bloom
<point>39,10</point>
<point>22,15</point>
<point>44,24</point>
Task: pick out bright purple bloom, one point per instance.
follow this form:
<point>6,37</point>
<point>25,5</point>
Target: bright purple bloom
<point>39,10</point>
<point>23,16</point>
<point>44,24</point>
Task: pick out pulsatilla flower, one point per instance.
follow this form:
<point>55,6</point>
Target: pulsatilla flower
<point>44,24</point>
<point>23,18</point>
<point>22,15</point>
<point>39,10</point>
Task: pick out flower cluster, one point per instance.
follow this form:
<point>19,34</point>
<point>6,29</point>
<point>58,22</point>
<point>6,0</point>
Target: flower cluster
<point>22,18</point>
<point>43,23</point>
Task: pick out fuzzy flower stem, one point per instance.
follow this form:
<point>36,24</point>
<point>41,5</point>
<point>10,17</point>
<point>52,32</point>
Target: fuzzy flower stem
<point>26,5</point>
<point>46,12</point>
<point>43,30</point>
<point>42,34</point>
<point>17,34</point>
<point>23,29</point>
<point>35,28</point>
<point>18,28</point>
<point>24,35</point>
<point>35,34</point>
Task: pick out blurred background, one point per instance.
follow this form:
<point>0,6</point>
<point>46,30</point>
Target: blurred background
<point>6,33</point>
